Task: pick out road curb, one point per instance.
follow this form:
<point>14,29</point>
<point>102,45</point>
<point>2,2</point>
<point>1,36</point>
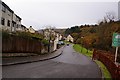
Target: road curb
<point>8,64</point>
<point>100,70</point>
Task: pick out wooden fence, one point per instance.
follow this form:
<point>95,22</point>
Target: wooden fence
<point>108,62</point>
<point>16,44</point>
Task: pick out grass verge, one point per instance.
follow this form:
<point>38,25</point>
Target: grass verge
<point>82,50</point>
<point>105,72</point>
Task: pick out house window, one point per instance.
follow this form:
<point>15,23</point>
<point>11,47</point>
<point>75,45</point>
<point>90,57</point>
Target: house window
<point>3,9</point>
<point>17,26</point>
<point>8,23</point>
<point>9,13</point>
<point>2,21</point>
<point>13,24</point>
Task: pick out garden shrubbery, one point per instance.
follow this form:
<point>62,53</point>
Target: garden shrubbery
<point>26,35</point>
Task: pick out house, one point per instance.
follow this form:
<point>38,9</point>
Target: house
<point>60,37</point>
<point>53,36</point>
<point>6,16</point>
<point>21,28</point>
<point>31,30</point>
<point>8,19</point>
<point>69,38</point>
<point>18,25</point>
<point>49,33</point>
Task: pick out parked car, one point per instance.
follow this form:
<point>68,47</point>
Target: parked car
<point>67,44</point>
<point>61,42</point>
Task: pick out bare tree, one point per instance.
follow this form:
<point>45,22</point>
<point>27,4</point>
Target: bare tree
<point>49,35</point>
<point>110,16</point>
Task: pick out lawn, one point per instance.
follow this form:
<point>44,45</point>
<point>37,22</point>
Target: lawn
<point>82,50</point>
<point>104,70</point>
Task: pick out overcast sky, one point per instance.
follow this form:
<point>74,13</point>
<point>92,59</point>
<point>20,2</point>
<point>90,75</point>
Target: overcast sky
<point>63,13</point>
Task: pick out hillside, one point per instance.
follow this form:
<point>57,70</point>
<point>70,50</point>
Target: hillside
<point>95,36</point>
<point>61,31</point>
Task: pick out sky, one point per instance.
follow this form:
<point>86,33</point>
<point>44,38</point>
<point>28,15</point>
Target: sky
<point>62,13</point>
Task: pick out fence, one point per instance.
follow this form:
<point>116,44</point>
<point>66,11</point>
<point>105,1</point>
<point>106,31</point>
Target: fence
<point>108,61</point>
<point>16,44</point>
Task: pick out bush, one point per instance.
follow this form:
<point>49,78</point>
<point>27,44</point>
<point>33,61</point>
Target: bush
<point>45,42</point>
<point>5,34</point>
<point>26,35</point>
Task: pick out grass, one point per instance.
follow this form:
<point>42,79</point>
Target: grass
<point>82,50</point>
<point>104,70</point>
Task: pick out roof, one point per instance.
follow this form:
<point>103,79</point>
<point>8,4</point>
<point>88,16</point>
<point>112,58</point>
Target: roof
<point>23,26</point>
<point>18,17</point>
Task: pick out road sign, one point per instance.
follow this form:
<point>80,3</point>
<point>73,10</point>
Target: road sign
<point>116,40</point>
<point>116,43</point>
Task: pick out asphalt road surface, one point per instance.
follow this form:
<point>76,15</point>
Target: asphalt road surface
<point>68,65</point>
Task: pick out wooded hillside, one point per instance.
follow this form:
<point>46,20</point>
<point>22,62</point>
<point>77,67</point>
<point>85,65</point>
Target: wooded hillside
<point>95,36</point>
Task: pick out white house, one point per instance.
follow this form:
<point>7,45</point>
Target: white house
<point>8,19</point>
<point>19,26</point>
<point>16,23</point>
<point>55,43</point>
<point>49,32</point>
<point>56,36</point>
<point>70,38</point>
<point>22,28</point>
<point>60,37</point>
<point>31,30</point>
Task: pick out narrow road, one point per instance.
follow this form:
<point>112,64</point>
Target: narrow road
<point>69,65</point>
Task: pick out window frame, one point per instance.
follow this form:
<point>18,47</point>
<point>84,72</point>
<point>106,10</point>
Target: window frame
<point>2,21</point>
<point>8,23</point>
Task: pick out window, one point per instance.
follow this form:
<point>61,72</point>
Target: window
<point>17,26</point>
<point>8,23</point>
<point>3,9</point>
<point>13,24</point>
<point>2,21</point>
<point>9,13</point>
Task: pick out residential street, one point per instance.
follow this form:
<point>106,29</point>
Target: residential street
<point>68,65</point>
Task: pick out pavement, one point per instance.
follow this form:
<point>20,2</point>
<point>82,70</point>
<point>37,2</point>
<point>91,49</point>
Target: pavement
<point>30,59</point>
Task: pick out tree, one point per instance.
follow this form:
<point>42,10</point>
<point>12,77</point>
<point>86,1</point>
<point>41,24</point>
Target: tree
<point>110,16</point>
<point>49,35</point>
<point>76,36</point>
<point>74,29</point>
